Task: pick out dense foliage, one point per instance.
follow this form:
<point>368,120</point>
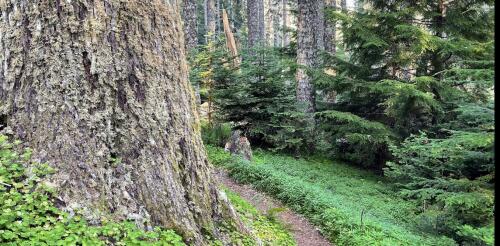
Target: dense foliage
<point>30,217</point>
<point>323,191</point>
<point>257,97</point>
<point>408,94</point>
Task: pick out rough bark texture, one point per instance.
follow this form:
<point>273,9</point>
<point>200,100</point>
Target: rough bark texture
<point>330,29</point>
<point>310,35</point>
<point>274,12</point>
<point>210,22</point>
<point>99,89</point>
<point>255,18</point>
<point>286,35</point>
<point>189,15</point>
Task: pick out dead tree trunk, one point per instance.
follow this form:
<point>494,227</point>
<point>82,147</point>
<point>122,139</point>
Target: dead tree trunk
<point>230,41</point>
<point>99,89</point>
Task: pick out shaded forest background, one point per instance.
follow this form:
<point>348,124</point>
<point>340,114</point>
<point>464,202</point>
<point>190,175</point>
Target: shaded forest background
<point>401,88</point>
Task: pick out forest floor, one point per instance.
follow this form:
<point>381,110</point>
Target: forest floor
<point>304,233</point>
<point>351,206</point>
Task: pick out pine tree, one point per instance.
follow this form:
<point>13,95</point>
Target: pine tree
<point>256,26</point>
<point>310,35</point>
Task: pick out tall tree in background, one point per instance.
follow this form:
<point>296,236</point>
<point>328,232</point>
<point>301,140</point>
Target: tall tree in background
<point>210,21</point>
<point>343,5</point>
<point>104,98</point>
<point>273,13</point>
<point>255,18</point>
<point>286,36</point>
<point>310,36</point>
<point>330,28</point>
<point>189,15</point>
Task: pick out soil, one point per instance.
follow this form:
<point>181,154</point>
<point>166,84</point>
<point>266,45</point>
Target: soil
<point>305,233</point>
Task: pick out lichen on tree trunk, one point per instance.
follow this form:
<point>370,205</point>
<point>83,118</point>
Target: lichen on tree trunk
<point>99,89</point>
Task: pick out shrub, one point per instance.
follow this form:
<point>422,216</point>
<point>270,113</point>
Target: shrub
<point>217,134</point>
<point>454,176</point>
<point>29,216</point>
<point>355,139</point>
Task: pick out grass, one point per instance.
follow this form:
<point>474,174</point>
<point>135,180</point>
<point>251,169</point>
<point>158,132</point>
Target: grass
<point>349,205</point>
<point>268,230</point>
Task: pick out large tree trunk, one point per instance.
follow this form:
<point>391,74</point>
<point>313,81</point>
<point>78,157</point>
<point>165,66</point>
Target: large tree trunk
<point>310,35</point>
<point>99,89</point>
<point>255,18</point>
<point>189,15</point>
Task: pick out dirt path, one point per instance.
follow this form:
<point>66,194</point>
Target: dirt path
<point>305,233</point>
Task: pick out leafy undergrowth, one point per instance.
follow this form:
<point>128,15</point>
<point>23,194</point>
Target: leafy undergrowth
<point>350,206</point>
<point>267,229</point>
<point>29,217</point>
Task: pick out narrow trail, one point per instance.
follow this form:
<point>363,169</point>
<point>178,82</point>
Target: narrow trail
<point>305,233</point>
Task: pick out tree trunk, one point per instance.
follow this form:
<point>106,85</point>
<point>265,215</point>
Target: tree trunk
<point>189,14</point>
<point>230,42</point>
<point>217,16</point>
<point>255,17</point>
<point>330,29</point>
<point>286,36</point>
<point>310,35</point>
<point>210,24</point>
<point>343,5</point>
<point>99,89</point>
<point>273,13</point>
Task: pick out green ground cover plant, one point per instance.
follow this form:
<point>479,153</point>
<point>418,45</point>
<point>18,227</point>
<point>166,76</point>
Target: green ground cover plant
<point>349,205</point>
<point>29,216</point>
<point>270,231</point>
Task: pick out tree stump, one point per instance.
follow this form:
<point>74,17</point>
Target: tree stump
<point>239,145</point>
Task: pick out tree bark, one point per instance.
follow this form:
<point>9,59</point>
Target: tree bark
<point>330,29</point>
<point>343,5</point>
<point>255,18</point>
<point>99,90</point>
<point>273,14</point>
<point>210,22</point>
<point>286,36</point>
<point>231,43</point>
<point>189,14</point>
<point>310,35</point>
